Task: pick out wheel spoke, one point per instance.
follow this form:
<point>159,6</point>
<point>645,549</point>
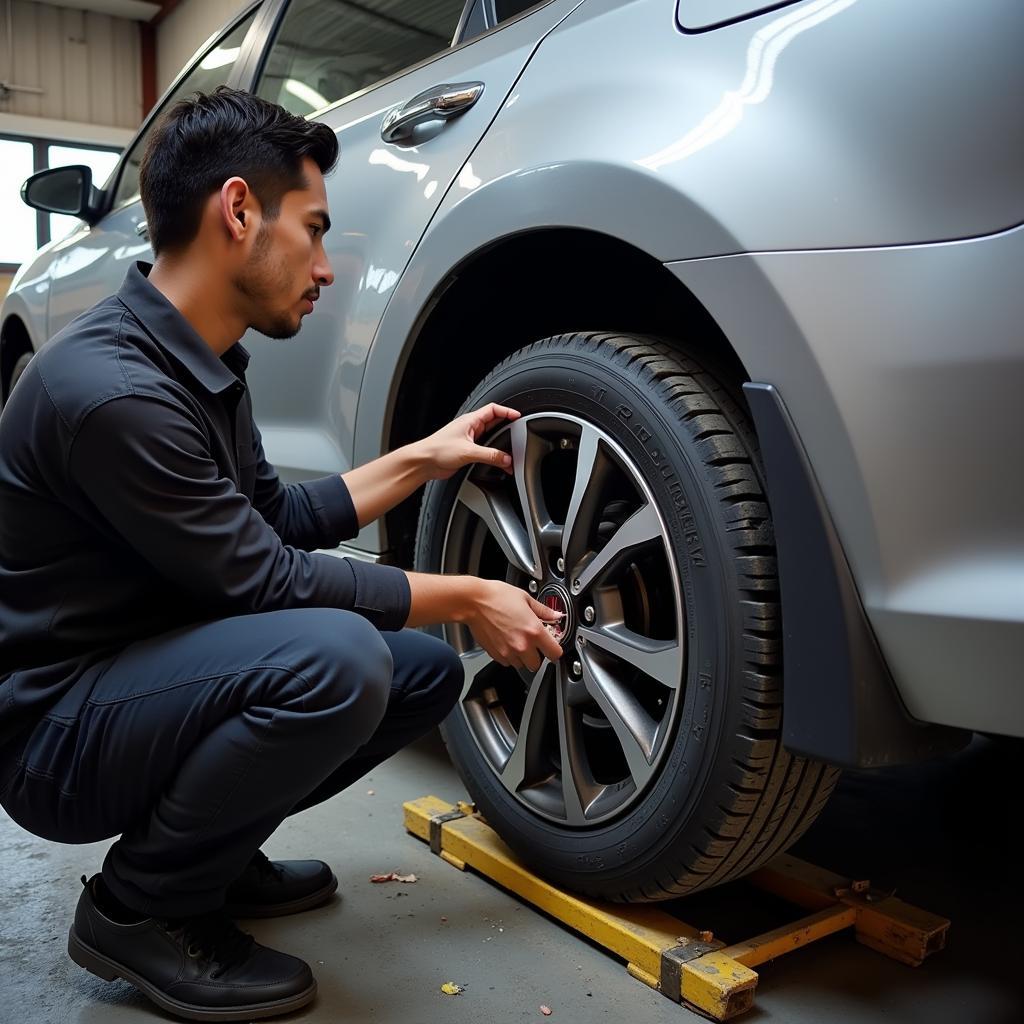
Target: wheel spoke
<point>642,526</point>
<point>527,748</point>
<point>503,523</point>
<point>473,663</point>
<point>571,748</point>
<point>662,660</point>
<point>525,463</point>
<point>632,725</point>
<point>584,491</point>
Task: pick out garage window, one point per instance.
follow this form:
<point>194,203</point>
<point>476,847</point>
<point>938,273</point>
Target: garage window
<point>18,240</point>
<point>26,229</point>
<point>328,49</point>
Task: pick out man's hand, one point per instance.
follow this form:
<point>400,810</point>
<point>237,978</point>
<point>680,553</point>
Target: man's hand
<point>454,445</point>
<point>509,625</point>
<point>506,622</point>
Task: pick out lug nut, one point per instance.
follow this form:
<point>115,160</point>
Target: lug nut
<point>588,614</point>
<point>576,586</point>
<point>560,565</point>
<point>577,668</point>
<point>533,586</point>
<point>564,443</point>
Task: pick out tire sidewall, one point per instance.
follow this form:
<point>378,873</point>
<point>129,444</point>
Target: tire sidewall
<point>561,378</point>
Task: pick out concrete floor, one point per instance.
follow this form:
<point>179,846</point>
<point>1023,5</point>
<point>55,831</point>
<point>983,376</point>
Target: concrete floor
<point>940,834</point>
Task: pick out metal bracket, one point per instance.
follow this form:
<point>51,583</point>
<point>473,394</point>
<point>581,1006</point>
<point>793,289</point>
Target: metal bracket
<point>435,828</point>
<point>672,960</point>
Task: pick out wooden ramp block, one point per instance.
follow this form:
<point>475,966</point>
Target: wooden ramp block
<point>659,949</point>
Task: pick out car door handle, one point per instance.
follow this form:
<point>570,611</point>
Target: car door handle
<point>142,230</point>
<point>439,103</point>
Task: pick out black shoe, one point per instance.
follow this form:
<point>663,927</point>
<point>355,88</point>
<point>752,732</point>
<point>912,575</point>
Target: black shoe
<point>273,888</point>
<point>201,968</point>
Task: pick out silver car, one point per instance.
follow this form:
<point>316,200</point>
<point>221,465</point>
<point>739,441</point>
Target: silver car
<point>751,272</point>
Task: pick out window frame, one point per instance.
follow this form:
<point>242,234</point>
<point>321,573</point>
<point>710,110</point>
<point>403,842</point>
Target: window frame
<point>40,146</point>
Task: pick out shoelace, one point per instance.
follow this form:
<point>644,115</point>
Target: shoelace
<point>217,939</point>
<point>265,867</point>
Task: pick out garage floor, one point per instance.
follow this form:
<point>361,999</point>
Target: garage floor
<point>939,833</point>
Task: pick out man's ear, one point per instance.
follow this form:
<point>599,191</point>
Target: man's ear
<point>236,207</point>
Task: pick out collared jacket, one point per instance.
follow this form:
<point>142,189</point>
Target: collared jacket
<point>135,498</point>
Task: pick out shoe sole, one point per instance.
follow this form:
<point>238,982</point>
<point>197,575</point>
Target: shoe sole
<point>103,967</point>
<point>253,910</point>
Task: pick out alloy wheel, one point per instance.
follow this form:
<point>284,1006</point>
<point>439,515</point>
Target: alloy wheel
<point>580,740</point>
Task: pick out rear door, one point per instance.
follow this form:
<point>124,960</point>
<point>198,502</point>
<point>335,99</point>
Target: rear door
<point>352,66</point>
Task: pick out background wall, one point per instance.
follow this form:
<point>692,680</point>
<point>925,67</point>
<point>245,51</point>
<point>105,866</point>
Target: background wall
<point>185,28</point>
<point>88,65</point>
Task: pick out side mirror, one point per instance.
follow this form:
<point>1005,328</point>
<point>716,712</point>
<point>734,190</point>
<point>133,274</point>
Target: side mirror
<point>67,190</point>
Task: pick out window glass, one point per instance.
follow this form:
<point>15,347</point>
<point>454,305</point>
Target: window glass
<point>213,70</point>
<point>100,161</point>
<point>505,9</point>
<point>18,237</point>
<point>328,49</point>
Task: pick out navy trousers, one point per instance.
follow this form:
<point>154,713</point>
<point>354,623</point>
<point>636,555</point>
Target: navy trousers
<point>195,745</point>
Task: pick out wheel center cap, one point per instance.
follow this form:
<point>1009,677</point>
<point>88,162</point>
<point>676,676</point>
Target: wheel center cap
<point>556,598</point>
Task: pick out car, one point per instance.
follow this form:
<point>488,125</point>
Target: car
<point>749,271</point>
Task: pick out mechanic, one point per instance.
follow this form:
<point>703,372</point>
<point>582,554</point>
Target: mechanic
<point>179,665</point>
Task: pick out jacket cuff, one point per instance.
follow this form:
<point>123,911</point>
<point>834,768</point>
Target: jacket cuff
<point>382,594</point>
<point>333,507</point>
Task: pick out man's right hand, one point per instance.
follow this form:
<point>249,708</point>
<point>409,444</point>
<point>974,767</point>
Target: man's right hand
<point>509,625</point>
<point>506,622</point>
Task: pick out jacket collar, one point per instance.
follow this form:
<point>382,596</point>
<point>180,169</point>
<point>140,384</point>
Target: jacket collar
<point>172,332</point>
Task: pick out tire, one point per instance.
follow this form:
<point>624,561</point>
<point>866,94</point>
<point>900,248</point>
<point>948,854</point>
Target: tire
<point>20,365</point>
<point>708,793</point>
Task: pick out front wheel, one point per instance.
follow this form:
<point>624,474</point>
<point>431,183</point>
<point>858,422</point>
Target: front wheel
<point>647,762</point>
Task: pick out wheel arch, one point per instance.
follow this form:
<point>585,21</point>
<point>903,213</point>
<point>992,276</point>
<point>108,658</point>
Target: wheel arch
<point>544,281</point>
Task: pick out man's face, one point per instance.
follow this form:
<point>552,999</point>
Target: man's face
<point>286,267</point>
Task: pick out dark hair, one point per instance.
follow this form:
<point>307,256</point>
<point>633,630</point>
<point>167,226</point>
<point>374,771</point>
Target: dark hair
<point>203,141</point>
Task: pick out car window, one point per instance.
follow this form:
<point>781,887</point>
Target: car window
<point>214,69</point>
<point>505,9</point>
<point>328,49</point>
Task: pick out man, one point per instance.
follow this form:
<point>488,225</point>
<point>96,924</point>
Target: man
<point>178,666</point>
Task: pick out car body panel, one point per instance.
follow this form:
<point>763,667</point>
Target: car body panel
<point>923,482</point>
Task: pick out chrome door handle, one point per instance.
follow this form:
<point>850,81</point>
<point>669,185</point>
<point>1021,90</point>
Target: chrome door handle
<point>142,230</point>
<point>439,103</point>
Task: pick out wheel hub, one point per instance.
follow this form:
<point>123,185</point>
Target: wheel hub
<point>556,597</point>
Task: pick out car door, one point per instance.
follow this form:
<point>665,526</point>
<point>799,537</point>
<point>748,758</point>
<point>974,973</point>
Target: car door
<point>91,262</point>
<point>358,67</point>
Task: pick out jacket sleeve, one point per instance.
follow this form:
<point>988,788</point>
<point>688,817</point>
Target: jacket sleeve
<point>311,514</point>
<point>145,465</point>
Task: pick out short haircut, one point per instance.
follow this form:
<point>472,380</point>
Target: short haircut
<point>206,139</point>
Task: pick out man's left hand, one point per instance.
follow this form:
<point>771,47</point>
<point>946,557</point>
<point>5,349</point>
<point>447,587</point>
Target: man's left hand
<point>455,445</point>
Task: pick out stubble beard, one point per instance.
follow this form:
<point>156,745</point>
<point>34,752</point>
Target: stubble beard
<point>261,278</point>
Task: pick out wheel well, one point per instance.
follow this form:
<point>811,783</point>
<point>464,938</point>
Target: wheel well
<point>14,343</point>
<point>522,289</point>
